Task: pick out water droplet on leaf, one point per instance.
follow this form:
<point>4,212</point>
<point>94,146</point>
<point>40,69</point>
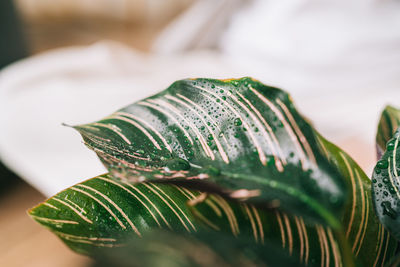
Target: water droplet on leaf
<point>178,164</point>
<point>237,122</point>
<point>382,164</point>
<point>390,146</point>
<point>388,210</point>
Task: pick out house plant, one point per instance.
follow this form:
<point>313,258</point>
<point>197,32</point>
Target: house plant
<point>209,160</point>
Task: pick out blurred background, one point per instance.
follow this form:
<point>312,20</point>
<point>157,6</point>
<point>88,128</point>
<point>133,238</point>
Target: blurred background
<point>28,28</point>
<point>74,61</point>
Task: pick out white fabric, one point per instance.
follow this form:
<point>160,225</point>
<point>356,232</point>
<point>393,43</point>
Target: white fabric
<point>73,86</point>
<point>340,60</point>
<point>341,65</point>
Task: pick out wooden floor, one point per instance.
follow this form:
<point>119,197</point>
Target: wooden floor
<point>22,241</point>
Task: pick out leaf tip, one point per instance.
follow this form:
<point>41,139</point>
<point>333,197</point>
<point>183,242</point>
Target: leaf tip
<point>66,125</point>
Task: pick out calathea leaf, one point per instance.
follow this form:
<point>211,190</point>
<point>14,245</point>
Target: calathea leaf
<point>102,214</point>
<point>311,245</point>
<point>245,137</point>
<point>200,249</point>
<point>386,186</point>
<point>369,241</point>
<point>388,124</point>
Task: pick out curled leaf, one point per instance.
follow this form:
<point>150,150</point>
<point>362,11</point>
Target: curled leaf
<point>386,186</point>
<point>241,136</point>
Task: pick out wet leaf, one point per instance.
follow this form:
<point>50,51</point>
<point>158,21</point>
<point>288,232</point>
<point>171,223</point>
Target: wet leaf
<point>243,137</point>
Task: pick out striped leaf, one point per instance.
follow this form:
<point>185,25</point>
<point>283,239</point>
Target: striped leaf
<point>240,135</point>
<point>178,138</point>
<point>166,248</point>
<point>369,241</point>
<point>311,245</point>
<point>388,124</point>
<point>102,213</point>
<point>386,186</point>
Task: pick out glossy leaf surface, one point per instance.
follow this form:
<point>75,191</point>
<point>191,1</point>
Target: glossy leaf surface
<point>100,212</point>
<point>386,186</point>
<point>388,124</point>
<point>260,151</point>
<point>245,137</point>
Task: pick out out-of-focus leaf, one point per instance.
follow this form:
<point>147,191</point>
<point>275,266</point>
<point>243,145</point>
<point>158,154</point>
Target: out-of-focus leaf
<point>313,245</point>
<point>388,124</point>
<point>201,249</point>
<point>370,242</point>
<point>241,135</point>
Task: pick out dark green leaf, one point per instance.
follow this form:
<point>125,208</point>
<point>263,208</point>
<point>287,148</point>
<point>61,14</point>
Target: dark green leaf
<point>386,186</point>
<point>388,124</point>
<point>314,245</point>
<point>99,212</point>
<point>156,140</point>
<point>77,217</point>
<point>370,242</point>
<point>245,137</point>
<point>201,249</point>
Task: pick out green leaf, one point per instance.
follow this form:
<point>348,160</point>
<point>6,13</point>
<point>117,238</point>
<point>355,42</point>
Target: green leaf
<point>386,186</point>
<point>361,226</point>
<point>155,140</point>
<point>169,249</point>
<point>99,213</point>
<point>314,245</point>
<point>240,135</point>
<point>388,124</point>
